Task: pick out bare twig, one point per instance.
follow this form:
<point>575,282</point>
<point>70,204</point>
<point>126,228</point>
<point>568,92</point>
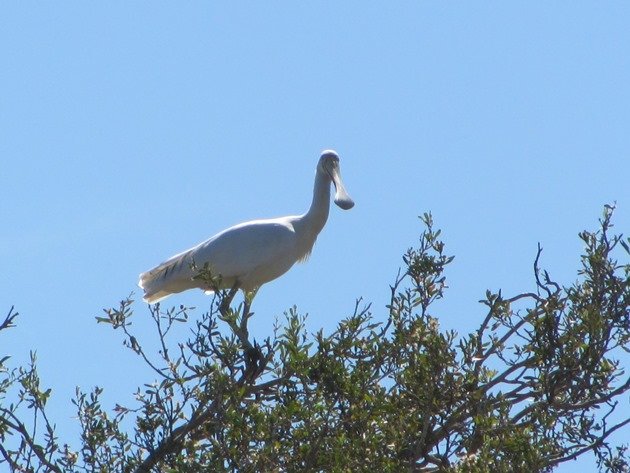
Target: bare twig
<point>8,320</point>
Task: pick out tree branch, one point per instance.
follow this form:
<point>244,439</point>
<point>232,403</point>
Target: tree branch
<point>21,429</point>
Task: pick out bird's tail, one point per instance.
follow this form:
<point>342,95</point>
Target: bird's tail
<point>173,275</point>
<point>153,290</point>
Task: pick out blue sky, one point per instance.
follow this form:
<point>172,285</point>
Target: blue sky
<point>131,131</point>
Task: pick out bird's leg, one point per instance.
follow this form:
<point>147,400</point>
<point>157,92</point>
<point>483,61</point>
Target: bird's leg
<point>254,358</point>
<point>227,300</point>
<point>247,302</point>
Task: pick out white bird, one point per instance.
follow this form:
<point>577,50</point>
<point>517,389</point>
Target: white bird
<point>250,254</point>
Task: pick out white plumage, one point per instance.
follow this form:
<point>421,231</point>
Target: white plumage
<point>252,253</point>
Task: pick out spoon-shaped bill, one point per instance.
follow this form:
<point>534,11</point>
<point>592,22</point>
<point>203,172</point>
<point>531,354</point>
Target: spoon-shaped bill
<point>342,199</point>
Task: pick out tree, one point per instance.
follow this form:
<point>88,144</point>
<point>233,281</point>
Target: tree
<point>537,384</point>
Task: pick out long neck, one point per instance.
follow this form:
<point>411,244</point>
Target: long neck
<point>314,220</point>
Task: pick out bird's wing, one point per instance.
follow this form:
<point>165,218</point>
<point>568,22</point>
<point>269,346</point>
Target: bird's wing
<point>241,249</point>
<point>234,254</point>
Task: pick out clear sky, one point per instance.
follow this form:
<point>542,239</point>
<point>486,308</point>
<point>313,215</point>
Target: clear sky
<point>130,131</point>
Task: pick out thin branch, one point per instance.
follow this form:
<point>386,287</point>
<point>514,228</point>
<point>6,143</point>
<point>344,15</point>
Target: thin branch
<point>8,320</point>
<point>8,459</point>
<point>533,314</point>
<point>593,402</point>
<point>20,428</point>
<point>161,333</point>
<point>136,347</point>
<point>592,446</point>
<point>524,364</point>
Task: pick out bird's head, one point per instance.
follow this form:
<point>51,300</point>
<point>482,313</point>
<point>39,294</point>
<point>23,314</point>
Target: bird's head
<point>329,165</point>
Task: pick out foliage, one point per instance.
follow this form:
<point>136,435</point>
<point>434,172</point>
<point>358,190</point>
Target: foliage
<point>537,384</point>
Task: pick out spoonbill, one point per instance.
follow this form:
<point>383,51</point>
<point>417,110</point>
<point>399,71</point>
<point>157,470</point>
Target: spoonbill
<point>253,253</point>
